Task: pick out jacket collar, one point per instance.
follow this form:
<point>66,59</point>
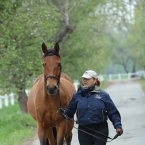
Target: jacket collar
<point>94,89</point>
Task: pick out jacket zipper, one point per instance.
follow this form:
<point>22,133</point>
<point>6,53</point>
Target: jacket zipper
<point>103,115</point>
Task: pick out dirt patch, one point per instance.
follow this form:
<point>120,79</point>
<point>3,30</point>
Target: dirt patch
<point>30,140</point>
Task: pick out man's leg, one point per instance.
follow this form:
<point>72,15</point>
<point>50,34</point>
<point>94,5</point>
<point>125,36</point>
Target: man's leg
<point>84,139</point>
<point>103,128</point>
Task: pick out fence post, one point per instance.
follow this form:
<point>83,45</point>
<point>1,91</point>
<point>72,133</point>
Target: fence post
<point>6,100</point>
<point>12,99</point>
<point>110,77</point>
<point>129,75</point>
<point>119,76</point>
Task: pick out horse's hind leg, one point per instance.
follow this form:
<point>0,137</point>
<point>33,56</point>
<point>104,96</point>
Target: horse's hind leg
<point>54,132</point>
<point>47,142</point>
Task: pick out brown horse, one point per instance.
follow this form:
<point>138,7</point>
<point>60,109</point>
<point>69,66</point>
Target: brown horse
<point>51,90</point>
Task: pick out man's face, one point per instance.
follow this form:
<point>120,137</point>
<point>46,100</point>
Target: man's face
<point>88,82</point>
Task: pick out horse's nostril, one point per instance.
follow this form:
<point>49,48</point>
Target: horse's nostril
<point>52,90</point>
<point>55,87</point>
<point>47,88</point>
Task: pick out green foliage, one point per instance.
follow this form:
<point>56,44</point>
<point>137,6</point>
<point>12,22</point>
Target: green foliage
<point>137,35</point>
<point>15,126</point>
<point>40,21</point>
<point>95,30</point>
<point>8,9</point>
<point>21,45</point>
<point>87,46</point>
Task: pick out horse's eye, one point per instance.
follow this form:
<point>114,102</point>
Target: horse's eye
<point>43,65</point>
<point>59,65</point>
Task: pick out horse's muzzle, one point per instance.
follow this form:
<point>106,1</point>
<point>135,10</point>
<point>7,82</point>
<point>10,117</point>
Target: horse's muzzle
<point>52,90</point>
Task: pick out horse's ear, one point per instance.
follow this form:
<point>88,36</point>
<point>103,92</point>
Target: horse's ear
<point>56,47</point>
<point>44,48</point>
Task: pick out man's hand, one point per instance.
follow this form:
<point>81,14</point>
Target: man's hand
<point>119,131</point>
<point>60,111</point>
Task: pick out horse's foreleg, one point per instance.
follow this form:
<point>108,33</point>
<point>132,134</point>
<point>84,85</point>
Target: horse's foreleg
<point>68,134</point>
<point>50,136</point>
<point>68,138</point>
<point>61,133</point>
<point>42,135</point>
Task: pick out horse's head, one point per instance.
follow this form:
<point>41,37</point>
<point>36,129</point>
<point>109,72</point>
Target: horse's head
<point>52,68</point>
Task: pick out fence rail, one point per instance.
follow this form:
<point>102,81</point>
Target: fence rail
<point>7,100</point>
<point>120,76</point>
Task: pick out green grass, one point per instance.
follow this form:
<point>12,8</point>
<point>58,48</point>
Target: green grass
<point>142,82</point>
<point>15,127</point>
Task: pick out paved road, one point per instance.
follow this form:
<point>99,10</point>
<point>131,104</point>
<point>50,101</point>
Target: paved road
<point>130,100</point>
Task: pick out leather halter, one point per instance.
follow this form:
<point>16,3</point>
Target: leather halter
<point>51,52</point>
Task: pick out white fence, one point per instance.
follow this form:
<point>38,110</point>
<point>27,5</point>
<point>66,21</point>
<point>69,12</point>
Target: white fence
<point>120,76</point>
<point>7,100</point>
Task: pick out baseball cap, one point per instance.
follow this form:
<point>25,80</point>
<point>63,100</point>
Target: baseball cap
<point>89,74</point>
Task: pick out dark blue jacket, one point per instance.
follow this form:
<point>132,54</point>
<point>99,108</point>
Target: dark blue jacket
<point>92,108</point>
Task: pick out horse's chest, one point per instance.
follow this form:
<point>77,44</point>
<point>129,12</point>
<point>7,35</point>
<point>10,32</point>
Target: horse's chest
<point>47,115</point>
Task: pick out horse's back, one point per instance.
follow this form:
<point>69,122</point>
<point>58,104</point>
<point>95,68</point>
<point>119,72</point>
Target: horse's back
<point>63,75</point>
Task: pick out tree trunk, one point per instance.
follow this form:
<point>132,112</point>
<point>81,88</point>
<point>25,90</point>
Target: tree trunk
<point>22,100</point>
<point>134,69</point>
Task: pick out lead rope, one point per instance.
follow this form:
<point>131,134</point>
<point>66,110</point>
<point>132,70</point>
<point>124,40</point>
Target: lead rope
<point>67,118</point>
<point>97,91</point>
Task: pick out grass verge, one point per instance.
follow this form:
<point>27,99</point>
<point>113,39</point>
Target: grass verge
<point>15,127</point>
<point>142,82</point>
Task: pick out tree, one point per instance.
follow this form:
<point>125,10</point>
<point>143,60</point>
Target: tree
<point>136,37</point>
<point>77,23</point>
<point>8,9</point>
<point>21,43</point>
<point>120,14</point>
<point>81,27</point>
